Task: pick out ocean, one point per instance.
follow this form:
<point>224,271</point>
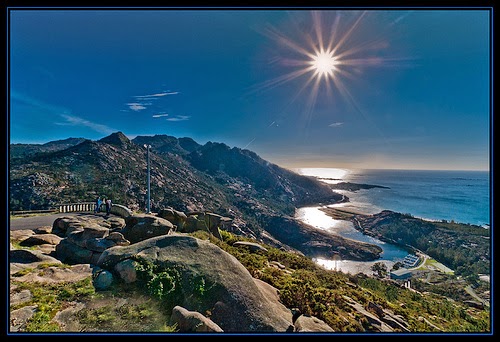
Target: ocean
<point>461,196</point>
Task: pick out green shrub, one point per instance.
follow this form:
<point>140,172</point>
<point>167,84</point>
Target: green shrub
<point>162,283</point>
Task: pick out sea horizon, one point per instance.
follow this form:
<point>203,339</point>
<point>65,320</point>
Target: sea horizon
<point>298,168</point>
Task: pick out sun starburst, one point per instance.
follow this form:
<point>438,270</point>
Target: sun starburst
<point>324,63</point>
<point>329,54</point>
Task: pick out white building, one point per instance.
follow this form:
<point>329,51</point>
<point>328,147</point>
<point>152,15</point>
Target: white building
<point>402,273</point>
<point>411,260</point>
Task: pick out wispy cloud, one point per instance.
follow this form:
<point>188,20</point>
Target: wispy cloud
<point>72,120</point>
<point>59,112</point>
<point>29,101</point>
<point>160,115</point>
<point>336,124</point>
<point>136,106</point>
<point>156,95</point>
<point>142,102</point>
<point>179,118</point>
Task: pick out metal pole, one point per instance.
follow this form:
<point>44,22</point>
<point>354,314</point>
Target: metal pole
<point>149,185</point>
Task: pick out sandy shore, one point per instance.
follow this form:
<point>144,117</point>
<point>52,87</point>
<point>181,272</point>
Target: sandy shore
<point>341,213</point>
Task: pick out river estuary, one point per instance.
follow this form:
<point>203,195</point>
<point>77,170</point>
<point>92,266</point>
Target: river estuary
<point>317,218</point>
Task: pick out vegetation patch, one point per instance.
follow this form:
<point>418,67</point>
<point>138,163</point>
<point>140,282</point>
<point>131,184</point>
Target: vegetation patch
<point>326,294</point>
<point>434,304</point>
<point>51,298</point>
<point>130,316</point>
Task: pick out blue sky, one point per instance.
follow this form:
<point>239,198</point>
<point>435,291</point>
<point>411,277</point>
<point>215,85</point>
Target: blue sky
<point>362,88</point>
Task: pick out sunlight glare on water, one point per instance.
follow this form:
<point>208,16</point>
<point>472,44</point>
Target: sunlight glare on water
<point>351,267</point>
<point>320,220</point>
<point>326,175</point>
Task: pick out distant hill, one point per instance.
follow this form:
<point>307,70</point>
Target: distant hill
<point>168,144</point>
<point>23,150</point>
<point>185,175</point>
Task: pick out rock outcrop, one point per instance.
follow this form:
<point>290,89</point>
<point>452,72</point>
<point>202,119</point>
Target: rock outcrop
<point>192,321</point>
<point>210,280</point>
<point>140,227</point>
<point>83,241</point>
<point>230,292</point>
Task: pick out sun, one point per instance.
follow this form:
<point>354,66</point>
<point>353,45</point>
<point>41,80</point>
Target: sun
<point>324,64</point>
<point>329,52</point>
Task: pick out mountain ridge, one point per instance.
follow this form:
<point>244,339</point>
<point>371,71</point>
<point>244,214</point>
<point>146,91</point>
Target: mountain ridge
<point>212,177</point>
<point>21,149</point>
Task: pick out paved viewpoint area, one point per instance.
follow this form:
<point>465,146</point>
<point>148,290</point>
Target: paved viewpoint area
<point>33,222</point>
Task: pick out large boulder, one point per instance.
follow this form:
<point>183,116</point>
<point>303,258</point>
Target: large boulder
<point>41,239</point>
<point>192,321</point>
<point>71,253</point>
<point>140,227</point>
<point>311,324</point>
<point>211,280</point>
<point>85,240</point>
<point>202,221</point>
<point>178,218</point>
<point>65,225</point>
<point>213,223</point>
<point>32,257</point>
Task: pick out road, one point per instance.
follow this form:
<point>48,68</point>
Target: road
<point>473,293</point>
<point>33,222</point>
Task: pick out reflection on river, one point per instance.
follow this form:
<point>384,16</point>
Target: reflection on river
<point>317,218</point>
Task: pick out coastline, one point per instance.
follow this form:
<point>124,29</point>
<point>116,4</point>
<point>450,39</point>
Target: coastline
<point>338,225</point>
<point>433,195</point>
<point>376,226</point>
<point>398,231</point>
<point>351,215</point>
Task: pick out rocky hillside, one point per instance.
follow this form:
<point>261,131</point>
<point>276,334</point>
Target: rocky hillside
<point>257,195</point>
<point>96,273</point>
<point>184,174</point>
<point>267,179</point>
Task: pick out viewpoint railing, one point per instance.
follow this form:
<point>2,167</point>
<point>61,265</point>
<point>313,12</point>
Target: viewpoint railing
<point>76,207</point>
<point>116,209</point>
<point>81,207</point>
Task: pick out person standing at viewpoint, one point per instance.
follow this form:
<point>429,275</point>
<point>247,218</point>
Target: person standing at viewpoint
<point>98,203</point>
<point>108,206</point>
